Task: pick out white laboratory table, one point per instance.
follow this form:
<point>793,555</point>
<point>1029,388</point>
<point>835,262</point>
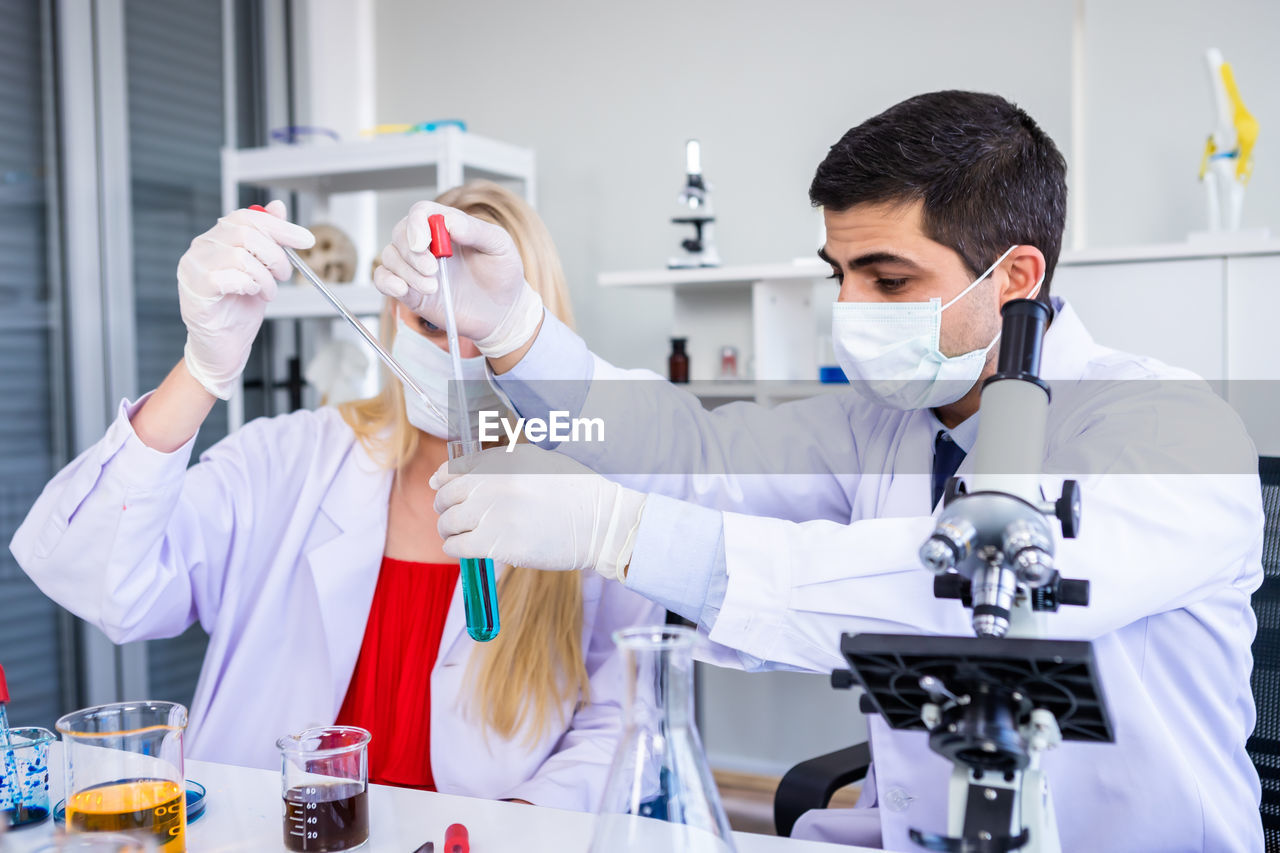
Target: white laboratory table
<point>244,814</point>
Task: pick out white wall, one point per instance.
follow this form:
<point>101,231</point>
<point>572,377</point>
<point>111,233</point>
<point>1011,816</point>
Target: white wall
<point>1149,111</point>
<point>606,93</point>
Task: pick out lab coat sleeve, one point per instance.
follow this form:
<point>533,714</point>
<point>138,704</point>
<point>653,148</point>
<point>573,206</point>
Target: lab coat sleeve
<point>1161,530</point>
<point>799,459</point>
<point>558,355</point>
<point>574,776</point>
<point>135,543</point>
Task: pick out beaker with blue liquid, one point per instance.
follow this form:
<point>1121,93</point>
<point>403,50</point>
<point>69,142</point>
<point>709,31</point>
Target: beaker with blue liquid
<point>24,784</point>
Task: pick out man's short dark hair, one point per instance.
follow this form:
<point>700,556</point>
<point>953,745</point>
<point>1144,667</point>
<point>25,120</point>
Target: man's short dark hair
<point>988,176</point>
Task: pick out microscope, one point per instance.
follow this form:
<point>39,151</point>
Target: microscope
<point>994,703</point>
<point>694,208</point>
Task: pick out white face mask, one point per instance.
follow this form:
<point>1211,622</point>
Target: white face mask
<point>432,369</point>
<point>889,350</point>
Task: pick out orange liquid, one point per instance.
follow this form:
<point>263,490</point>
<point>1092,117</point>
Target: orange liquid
<point>156,806</point>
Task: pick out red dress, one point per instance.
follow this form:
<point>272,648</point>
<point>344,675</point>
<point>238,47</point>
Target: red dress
<point>390,690</point>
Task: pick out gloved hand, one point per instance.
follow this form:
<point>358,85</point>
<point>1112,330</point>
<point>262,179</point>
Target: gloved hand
<point>536,508</point>
<point>225,281</point>
<point>492,303</point>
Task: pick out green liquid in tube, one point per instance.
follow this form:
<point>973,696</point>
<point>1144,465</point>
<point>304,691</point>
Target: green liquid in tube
<point>479,598</point>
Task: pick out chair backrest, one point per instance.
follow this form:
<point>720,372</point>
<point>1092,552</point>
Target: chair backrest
<point>1264,746</point>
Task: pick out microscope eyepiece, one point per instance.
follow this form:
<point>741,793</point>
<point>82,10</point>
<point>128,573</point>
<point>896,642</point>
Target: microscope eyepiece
<point>1021,339</point>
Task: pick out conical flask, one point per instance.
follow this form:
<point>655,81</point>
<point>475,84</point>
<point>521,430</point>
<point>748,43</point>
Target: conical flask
<point>660,794</point>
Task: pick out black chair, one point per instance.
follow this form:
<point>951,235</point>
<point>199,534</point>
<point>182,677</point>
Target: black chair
<point>1264,746</point>
<point>810,784</point>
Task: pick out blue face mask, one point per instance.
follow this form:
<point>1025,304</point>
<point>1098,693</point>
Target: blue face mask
<point>889,350</point>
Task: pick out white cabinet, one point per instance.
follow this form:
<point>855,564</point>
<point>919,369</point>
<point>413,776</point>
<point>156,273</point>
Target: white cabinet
<point>1209,309</point>
<point>1172,310</point>
<point>327,178</point>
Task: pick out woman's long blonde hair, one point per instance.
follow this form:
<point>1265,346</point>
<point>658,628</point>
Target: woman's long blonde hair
<point>525,676</point>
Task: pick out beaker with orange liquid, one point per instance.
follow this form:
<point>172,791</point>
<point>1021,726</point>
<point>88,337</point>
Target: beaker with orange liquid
<point>124,771</point>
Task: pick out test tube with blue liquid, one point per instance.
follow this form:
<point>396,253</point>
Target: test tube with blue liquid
<point>479,588</point>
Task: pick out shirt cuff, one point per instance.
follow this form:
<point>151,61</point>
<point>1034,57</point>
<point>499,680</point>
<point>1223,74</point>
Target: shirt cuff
<point>679,561</point>
<point>553,375</point>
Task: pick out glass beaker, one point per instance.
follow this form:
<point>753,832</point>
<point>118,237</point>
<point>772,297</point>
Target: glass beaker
<point>124,770</point>
<point>24,776</point>
<point>324,780</point>
<point>660,794</point>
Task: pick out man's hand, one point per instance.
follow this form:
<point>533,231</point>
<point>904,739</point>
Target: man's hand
<point>492,303</point>
<point>535,508</point>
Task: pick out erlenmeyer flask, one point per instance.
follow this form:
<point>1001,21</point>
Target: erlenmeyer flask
<point>660,794</point>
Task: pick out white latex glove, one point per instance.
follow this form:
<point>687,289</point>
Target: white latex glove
<point>225,281</point>
<point>536,508</point>
<point>492,303</point>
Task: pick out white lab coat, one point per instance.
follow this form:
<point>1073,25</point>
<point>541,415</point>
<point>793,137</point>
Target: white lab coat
<point>273,542</point>
<point>1172,558</point>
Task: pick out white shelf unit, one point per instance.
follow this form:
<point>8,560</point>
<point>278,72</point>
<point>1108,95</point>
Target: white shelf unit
<point>767,311</point>
<point>1207,305</point>
<point>320,172</point>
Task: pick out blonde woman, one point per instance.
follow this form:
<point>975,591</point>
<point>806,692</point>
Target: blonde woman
<point>306,546</point>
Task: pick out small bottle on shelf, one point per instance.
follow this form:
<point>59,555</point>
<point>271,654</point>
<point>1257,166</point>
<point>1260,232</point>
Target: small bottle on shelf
<point>678,361</point>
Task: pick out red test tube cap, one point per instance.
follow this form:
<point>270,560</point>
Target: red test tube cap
<point>455,837</point>
<point>441,247</point>
<point>257,207</point>
<point>4,688</point>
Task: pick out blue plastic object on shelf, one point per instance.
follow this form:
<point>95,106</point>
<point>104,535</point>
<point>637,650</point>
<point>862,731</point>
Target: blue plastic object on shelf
<point>831,374</point>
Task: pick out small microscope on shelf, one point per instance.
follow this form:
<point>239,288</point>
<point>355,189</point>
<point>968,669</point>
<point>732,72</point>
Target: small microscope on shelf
<point>693,207</point>
<point>995,702</point>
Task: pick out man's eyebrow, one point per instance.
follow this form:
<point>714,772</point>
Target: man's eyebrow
<point>871,259</point>
<point>875,258</point>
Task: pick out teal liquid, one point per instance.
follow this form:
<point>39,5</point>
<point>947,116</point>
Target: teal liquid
<point>479,598</point>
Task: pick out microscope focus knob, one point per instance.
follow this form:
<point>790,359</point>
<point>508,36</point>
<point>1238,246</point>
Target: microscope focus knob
<point>1073,592</point>
<point>1067,509</point>
<point>842,679</point>
<point>950,585</point>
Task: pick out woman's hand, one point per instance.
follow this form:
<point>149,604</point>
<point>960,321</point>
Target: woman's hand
<point>225,280</point>
<point>493,304</point>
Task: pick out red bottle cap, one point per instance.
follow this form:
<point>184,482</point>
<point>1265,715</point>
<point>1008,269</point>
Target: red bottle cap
<point>455,837</point>
<point>4,688</point>
<point>441,247</point>
<point>257,207</point>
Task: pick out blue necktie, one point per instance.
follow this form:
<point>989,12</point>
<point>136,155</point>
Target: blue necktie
<point>947,456</point>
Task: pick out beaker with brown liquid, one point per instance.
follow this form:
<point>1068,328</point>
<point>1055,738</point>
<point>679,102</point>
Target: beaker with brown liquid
<point>326,817</point>
<point>324,778</point>
<point>124,771</point>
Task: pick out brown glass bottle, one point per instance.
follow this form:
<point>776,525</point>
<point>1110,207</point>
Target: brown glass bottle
<point>678,361</point>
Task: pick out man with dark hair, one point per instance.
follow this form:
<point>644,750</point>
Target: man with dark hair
<point>776,530</point>
<point>986,175</point>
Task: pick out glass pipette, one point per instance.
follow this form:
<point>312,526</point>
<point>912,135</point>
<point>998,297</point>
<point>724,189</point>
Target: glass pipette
<point>479,589</point>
